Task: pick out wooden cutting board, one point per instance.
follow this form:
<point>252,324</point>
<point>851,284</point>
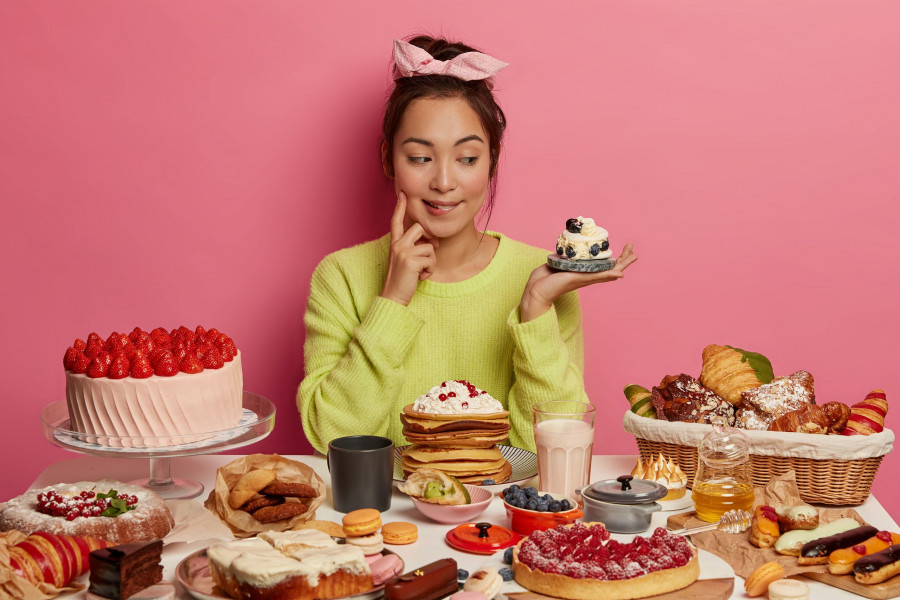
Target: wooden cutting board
<point>709,589</point>
<point>879,591</point>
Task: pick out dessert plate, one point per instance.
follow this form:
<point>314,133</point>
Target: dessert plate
<point>680,504</point>
<point>523,463</point>
<point>193,573</point>
<point>580,266</point>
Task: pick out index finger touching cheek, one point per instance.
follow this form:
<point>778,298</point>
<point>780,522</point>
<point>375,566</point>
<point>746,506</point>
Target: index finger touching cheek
<point>397,218</point>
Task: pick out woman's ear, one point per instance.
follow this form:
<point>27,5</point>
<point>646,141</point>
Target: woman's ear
<point>386,162</point>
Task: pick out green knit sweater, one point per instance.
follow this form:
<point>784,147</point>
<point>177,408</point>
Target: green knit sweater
<point>367,357</point>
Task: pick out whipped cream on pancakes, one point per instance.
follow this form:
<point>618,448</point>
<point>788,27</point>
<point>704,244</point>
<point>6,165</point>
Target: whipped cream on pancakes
<point>457,397</point>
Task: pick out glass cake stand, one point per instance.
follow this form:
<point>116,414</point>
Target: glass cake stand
<point>257,421</point>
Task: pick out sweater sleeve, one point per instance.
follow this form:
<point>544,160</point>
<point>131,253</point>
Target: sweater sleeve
<point>353,363</point>
<point>548,362</point>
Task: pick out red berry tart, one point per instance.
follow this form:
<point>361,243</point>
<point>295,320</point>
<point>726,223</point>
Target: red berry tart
<point>115,512</point>
<point>137,389</point>
<point>580,562</point>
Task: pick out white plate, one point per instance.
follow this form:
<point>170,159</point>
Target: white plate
<point>680,504</point>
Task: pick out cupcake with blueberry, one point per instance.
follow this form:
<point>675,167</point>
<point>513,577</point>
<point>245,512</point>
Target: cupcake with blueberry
<point>583,240</point>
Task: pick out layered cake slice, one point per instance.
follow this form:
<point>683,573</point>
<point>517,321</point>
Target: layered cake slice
<point>119,572</point>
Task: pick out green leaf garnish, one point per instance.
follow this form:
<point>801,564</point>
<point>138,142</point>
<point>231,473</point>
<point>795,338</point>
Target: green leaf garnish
<point>759,363</point>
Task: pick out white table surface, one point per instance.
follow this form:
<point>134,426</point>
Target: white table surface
<point>430,545</point>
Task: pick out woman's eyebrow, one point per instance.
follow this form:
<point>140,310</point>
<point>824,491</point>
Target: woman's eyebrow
<point>468,138</point>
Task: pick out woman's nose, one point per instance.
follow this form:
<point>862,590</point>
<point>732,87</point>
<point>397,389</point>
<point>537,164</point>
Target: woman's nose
<point>443,180</point>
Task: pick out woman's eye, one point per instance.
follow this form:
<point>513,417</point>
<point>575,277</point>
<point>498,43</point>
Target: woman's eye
<point>419,159</point>
<point>469,160</point>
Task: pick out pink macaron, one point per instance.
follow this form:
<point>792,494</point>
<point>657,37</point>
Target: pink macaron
<point>385,568</point>
<point>467,596</point>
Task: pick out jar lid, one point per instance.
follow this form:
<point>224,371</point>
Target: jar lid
<point>725,445</point>
<point>625,490</point>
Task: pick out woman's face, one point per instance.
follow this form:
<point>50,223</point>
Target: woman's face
<point>442,162</point>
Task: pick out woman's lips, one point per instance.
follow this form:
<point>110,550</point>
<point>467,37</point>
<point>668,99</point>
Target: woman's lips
<point>439,209</point>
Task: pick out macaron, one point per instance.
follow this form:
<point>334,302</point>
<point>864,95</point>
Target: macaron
<point>788,589</point>
<point>486,580</point>
<point>369,544</point>
<point>758,581</point>
<point>385,568</point>
<point>399,532</point>
<point>363,521</point>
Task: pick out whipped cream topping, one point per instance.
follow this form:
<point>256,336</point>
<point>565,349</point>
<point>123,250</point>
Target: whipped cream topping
<point>662,471</point>
<point>457,397</point>
<point>273,556</point>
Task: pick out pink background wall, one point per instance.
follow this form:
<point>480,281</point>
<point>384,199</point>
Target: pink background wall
<point>168,163</point>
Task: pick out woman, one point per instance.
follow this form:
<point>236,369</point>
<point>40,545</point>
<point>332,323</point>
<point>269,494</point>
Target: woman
<point>436,298</point>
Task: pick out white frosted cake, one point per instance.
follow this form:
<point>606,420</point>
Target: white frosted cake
<point>583,240</point>
<point>138,394</point>
<point>292,564</point>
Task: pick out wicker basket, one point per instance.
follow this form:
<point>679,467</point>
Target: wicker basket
<point>822,476</point>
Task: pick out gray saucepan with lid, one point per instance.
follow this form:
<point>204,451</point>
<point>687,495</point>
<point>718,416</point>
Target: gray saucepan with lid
<point>624,504</point>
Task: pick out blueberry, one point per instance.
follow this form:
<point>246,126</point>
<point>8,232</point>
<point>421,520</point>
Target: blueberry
<point>506,574</point>
<point>555,506</point>
<point>543,506</point>
<point>595,249</point>
<point>559,250</point>
<point>531,492</point>
<point>604,246</point>
<point>564,504</point>
<point>570,252</point>
<point>573,226</point>
<point>532,504</point>
<point>514,488</point>
<point>547,498</point>
<point>488,481</point>
<point>462,575</point>
<point>507,555</point>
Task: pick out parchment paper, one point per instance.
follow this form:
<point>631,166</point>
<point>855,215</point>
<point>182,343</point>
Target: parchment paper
<point>744,557</point>
<point>241,523</point>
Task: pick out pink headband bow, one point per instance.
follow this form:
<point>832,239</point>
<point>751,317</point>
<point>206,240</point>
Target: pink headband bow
<point>469,66</point>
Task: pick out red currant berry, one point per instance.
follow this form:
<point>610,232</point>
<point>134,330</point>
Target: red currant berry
<point>451,395</point>
<point>442,397</point>
<point>465,405</point>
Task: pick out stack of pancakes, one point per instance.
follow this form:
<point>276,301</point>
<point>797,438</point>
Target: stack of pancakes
<point>464,446</point>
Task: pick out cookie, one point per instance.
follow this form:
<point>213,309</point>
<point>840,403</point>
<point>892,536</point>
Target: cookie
<point>260,502</point>
<point>288,510</point>
<point>289,490</point>
<point>330,527</point>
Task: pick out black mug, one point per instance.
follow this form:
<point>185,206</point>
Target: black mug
<point>362,472</point>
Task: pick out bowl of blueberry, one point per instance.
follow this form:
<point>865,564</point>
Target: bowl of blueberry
<point>529,510</point>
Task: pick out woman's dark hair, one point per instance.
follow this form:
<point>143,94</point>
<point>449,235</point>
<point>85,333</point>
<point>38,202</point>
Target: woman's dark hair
<point>476,93</point>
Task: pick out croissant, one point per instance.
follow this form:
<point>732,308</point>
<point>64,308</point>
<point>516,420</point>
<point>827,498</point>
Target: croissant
<point>729,371</point>
<point>640,400</point>
<point>807,419</point>
<point>836,413</point>
<point>867,417</point>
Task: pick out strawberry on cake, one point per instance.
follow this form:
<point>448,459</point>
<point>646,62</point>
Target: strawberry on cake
<point>581,562</point>
<point>157,388</point>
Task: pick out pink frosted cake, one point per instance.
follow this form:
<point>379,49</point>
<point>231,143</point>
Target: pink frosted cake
<point>153,389</point>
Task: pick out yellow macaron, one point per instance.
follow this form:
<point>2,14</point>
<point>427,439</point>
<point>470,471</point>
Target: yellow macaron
<point>758,581</point>
<point>399,532</point>
<point>363,521</point>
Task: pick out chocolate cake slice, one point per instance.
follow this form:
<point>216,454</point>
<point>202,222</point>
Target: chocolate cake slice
<point>119,572</point>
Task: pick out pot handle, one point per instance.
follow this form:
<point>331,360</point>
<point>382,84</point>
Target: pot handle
<point>575,514</point>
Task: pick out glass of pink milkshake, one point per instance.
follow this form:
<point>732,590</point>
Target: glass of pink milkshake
<point>564,435</point>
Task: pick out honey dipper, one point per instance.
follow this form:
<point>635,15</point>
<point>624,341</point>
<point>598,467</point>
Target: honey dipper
<point>733,521</point>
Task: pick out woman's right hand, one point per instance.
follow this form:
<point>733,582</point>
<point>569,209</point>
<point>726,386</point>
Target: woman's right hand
<point>411,257</point>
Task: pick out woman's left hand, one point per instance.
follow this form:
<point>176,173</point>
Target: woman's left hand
<point>546,285</point>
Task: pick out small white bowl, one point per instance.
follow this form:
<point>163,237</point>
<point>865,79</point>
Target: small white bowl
<point>460,513</point>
